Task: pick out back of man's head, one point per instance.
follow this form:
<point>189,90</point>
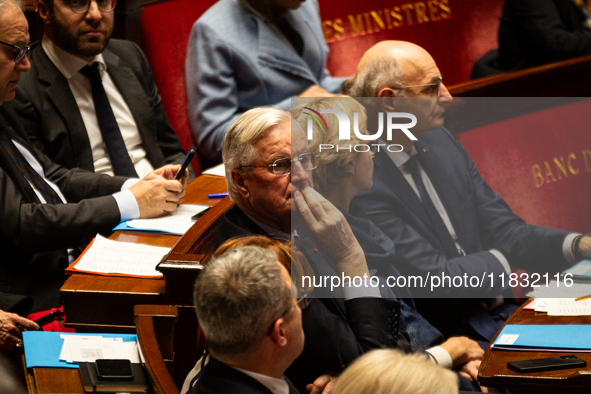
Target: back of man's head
<point>387,64</point>
<point>16,3</point>
<point>238,296</point>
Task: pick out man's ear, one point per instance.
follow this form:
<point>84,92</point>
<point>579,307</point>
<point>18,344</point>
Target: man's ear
<point>43,10</point>
<point>240,183</point>
<point>278,332</point>
<point>386,100</point>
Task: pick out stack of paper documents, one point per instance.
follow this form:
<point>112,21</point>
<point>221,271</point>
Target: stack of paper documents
<point>88,348</point>
<point>177,222</point>
<point>545,337</point>
<point>218,170</point>
<point>107,257</point>
<point>559,299</point>
<point>51,349</point>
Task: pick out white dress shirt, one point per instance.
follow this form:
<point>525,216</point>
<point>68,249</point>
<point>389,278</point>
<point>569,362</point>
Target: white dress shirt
<point>70,65</point>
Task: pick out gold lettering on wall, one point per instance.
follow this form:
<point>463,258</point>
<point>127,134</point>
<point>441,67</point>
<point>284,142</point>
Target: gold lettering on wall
<point>374,21</point>
<point>559,168</point>
<point>587,157</point>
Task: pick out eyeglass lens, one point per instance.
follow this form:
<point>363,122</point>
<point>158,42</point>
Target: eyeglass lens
<point>82,6</point>
<point>283,166</point>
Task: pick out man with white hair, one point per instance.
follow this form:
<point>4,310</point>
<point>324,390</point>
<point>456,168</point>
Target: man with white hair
<point>47,209</point>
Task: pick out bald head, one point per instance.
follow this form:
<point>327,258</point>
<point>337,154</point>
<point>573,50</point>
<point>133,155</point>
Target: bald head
<point>391,64</point>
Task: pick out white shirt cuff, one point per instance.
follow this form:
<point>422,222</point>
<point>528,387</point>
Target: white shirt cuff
<point>502,259</point>
<point>128,206</point>
<point>440,356</point>
<point>567,248</point>
<point>129,183</point>
<point>360,289</point>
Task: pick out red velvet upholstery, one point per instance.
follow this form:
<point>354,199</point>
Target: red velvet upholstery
<point>165,32</point>
<point>526,160</point>
<point>455,32</point>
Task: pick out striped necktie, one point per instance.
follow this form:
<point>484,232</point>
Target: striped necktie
<point>38,183</point>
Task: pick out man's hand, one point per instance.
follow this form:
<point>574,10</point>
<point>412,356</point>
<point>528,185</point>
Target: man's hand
<point>323,385</point>
<point>11,326</point>
<point>585,246</point>
<point>168,172</point>
<point>331,231</point>
<point>315,91</point>
<point>469,371</point>
<point>158,193</point>
<point>463,350</point>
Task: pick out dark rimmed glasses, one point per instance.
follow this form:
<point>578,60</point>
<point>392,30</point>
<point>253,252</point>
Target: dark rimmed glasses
<point>282,167</point>
<point>22,52</point>
<point>302,300</point>
<point>82,6</point>
<point>434,89</point>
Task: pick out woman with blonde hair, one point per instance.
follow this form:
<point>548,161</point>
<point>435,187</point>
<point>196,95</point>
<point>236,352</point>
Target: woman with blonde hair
<point>345,168</point>
<point>388,371</point>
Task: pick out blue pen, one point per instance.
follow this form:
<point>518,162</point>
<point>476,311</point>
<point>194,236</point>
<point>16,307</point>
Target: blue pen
<point>217,195</point>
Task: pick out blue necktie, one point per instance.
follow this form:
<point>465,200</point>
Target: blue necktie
<point>444,236</point>
<point>110,131</point>
<point>50,195</point>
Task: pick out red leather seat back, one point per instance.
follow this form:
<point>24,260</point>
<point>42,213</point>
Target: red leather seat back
<point>540,163</point>
<point>455,32</point>
<point>165,32</point>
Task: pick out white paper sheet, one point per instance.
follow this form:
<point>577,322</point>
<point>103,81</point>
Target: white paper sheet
<point>178,222</point>
<point>78,348</point>
<point>218,170</point>
<point>112,257</point>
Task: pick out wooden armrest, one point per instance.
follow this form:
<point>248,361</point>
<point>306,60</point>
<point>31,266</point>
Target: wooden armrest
<point>147,319</point>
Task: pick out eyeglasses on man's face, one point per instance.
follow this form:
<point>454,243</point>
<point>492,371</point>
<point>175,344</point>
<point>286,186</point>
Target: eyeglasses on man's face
<point>22,52</point>
<point>282,167</point>
<point>302,300</point>
<point>82,6</point>
<point>429,89</point>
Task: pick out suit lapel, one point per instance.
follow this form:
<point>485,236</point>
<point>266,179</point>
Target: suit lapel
<point>392,177</point>
<point>8,164</point>
<point>276,52</point>
<point>443,181</point>
<point>61,96</point>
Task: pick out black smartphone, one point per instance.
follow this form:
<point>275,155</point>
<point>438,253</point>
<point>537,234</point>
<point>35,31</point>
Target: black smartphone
<point>199,214</point>
<point>546,364</point>
<point>186,162</point>
<point>43,320</point>
<point>107,369</point>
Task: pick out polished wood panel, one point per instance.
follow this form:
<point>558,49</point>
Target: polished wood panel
<point>155,345</point>
<point>568,78</point>
<point>494,372</point>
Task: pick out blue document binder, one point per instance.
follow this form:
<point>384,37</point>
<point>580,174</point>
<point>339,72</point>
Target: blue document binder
<point>551,337</point>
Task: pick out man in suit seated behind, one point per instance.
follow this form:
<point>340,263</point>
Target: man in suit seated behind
<point>434,186</point>
<point>106,117</point>
<point>46,208</point>
<point>253,326</point>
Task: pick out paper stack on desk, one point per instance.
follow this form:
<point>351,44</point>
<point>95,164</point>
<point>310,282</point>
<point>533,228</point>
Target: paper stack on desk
<point>88,348</point>
<point>44,349</point>
<point>559,299</point>
<point>177,222</point>
<point>106,257</point>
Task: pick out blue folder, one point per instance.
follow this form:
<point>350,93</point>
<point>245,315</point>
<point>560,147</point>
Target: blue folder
<point>547,337</point>
<point>43,348</point>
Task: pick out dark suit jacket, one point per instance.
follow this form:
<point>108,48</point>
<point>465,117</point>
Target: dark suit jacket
<point>33,236</point>
<point>480,217</point>
<point>337,331</point>
<point>536,32</point>
<point>53,121</point>
<point>218,378</point>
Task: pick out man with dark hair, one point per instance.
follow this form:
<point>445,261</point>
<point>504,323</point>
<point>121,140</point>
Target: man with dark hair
<point>90,101</point>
